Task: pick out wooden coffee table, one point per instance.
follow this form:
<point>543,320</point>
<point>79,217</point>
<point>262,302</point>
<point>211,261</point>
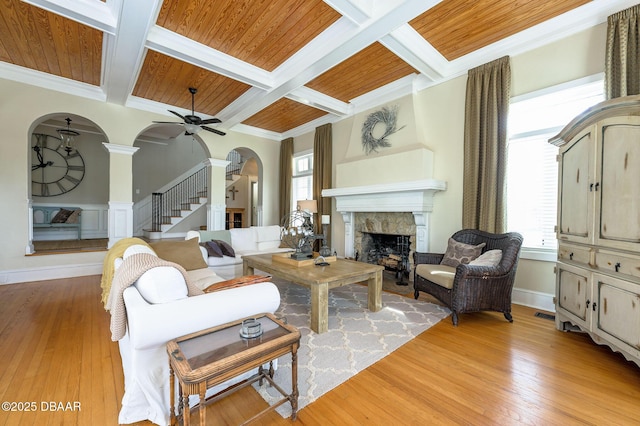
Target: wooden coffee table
<point>320,279</point>
<point>209,357</point>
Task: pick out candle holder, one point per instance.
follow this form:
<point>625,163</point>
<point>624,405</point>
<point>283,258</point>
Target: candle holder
<point>325,250</point>
<point>250,328</point>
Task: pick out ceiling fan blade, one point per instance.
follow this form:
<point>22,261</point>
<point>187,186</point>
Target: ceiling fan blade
<point>175,113</point>
<point>213,130</point>
<point>211,121</point>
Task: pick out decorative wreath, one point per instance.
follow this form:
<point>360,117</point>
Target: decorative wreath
<point>388,116</point>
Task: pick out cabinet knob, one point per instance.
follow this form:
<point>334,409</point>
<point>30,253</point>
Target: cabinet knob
<point>588,303</point>
<point>597,185</point>
<point>571,256</point>
<point>617,266</point>
<point>593,306</point>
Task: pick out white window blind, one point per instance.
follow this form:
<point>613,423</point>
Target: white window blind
<point>532,170</point>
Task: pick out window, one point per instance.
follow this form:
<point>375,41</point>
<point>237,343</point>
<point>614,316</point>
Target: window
<point>302,185</point>
<point>532,170</point>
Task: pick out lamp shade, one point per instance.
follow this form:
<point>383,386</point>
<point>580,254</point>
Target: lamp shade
<point>310,206</point>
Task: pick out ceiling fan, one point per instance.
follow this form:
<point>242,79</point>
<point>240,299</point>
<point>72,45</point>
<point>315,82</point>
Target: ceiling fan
<point>192,123</point>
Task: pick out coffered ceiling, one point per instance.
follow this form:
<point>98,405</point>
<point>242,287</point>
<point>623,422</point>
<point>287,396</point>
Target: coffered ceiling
<point>274,68</point>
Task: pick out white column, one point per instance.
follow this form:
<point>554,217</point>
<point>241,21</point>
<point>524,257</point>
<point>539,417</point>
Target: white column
<point>422,231</point>
<point>217,202</point>
<point>349,235</point>
<point>120,223</point>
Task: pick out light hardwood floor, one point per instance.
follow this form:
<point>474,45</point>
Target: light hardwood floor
<point>55,347</point>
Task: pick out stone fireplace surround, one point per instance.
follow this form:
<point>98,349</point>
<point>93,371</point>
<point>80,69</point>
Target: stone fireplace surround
<point>415,197</point>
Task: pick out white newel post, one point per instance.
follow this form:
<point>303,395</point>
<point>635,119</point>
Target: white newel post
<point>120,223</point>
<point>217,205</point>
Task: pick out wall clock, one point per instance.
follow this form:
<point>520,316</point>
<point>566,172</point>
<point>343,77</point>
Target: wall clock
<point>54,171</point>
<point>382,123</point>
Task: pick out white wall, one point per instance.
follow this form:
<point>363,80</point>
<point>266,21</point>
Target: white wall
<point>155,165</point>
<point>441,109</point>
<point>22,107</point>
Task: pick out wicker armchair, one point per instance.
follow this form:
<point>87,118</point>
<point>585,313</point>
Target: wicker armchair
<point>473,288</point>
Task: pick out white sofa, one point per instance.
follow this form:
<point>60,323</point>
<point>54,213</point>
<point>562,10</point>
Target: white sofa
<point>244,241</point>
<point>151,325</point>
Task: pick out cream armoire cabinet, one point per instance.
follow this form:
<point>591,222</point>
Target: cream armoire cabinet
<point>598,268</point>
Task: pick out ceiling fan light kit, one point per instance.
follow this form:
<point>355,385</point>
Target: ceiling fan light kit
<point>192,123</point>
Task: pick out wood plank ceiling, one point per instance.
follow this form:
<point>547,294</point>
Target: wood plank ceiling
<point>274,66</point>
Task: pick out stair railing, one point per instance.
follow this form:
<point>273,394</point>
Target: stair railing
<point>165,205</point>
<point>235,163</point>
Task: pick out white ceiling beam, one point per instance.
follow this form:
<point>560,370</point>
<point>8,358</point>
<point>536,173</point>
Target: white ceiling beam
<point>318,100</point>
<point>411,47</point>
<point>184,49</point>
<point>355,11</point>
<point>319,56</point>
<point>123,53</point>
<point>95,14</point>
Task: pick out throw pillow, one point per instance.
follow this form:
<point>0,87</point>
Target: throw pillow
<point>162,284</point>
<point>488,258</point>
<point>237,282</point>
<point>213,249</point>
<point>74,216</point>
<point>185,253</point>
<point>458,253</point>
<point>61,216</point>
<point>136,249</point>
<point>226,248</point>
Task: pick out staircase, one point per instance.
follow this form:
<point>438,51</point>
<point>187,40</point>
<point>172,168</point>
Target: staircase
<point>158,214</point>
<point>172,206</point>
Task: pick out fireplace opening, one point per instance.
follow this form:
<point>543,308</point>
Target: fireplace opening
<point>390,251</point>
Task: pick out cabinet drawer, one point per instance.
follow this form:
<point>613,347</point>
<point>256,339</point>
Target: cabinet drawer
<point>617,262</point>
<point>578,254</point>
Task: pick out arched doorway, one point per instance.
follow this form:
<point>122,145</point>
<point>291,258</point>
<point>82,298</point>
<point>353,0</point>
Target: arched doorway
<point>69,188</point>
<point>243,189</point>
<point>165,157</point>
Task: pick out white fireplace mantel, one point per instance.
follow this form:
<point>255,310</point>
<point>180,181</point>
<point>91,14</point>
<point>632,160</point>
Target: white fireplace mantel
<point>411,196</point>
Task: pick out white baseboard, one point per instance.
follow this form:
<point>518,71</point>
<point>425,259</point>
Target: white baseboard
<point>49,273</point>
<point>533,299</point>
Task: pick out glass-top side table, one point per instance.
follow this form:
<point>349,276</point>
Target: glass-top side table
<point>209,357</point>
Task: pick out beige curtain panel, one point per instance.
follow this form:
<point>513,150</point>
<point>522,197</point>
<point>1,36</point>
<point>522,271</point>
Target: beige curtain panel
<point>622,71</point>
<point>322,164</point>
<point>286,175</point>
<point>485,146</point>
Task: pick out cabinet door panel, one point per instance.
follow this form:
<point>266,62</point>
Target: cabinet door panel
<point>618,311</point>
<point>573,292</point>
<point>619,185</point>
<point>575,205</point>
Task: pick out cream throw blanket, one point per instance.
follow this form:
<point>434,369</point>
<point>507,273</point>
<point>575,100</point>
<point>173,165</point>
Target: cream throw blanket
<point>131,269</point>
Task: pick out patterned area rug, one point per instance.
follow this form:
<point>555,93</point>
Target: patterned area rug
<point>356,338</point>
